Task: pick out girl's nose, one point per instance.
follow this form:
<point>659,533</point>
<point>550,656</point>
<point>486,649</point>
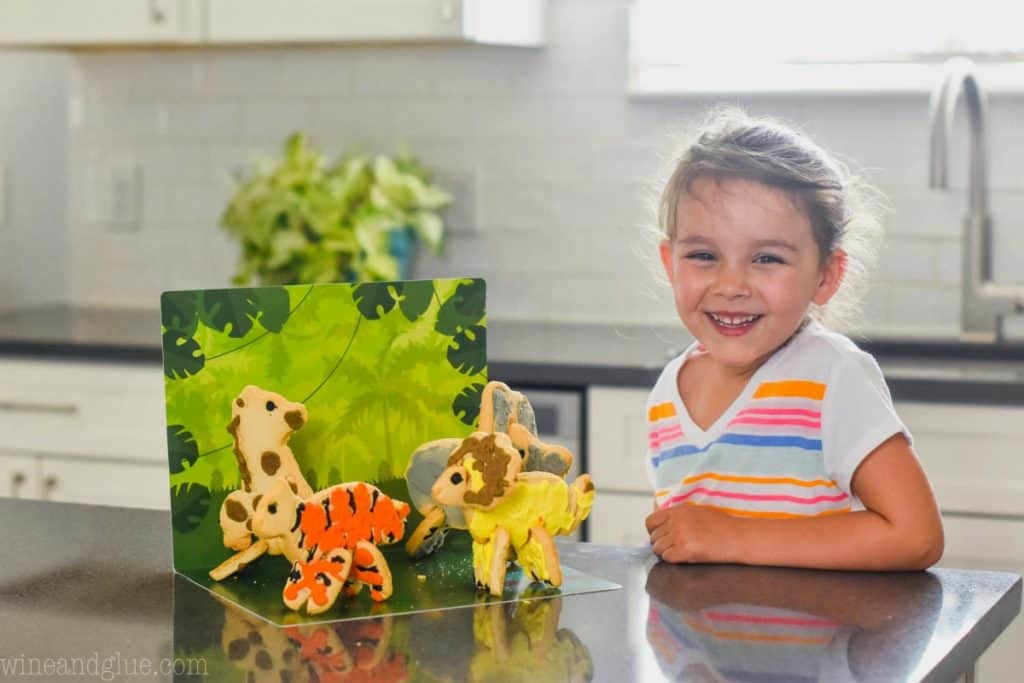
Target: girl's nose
<point>732,282</point>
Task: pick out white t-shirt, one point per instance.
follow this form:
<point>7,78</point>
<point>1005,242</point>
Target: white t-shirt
<point>788,445</point>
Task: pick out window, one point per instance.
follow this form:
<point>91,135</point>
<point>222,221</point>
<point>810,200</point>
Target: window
<point>680,46</point>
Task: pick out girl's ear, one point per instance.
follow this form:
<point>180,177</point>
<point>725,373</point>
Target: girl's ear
<point>665,249</point>
<point>831,277</point>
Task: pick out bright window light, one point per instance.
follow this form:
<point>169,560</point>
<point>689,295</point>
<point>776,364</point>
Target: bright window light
<point>794,37</point>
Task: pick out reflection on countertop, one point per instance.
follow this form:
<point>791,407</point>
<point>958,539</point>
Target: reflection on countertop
<point>119,598</point>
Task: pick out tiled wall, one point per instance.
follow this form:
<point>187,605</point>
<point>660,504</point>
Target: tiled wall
<point>550,160</point>
<point>33,178</point>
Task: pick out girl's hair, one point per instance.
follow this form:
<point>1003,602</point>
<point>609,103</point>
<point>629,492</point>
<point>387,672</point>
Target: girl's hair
<point>842,209</point>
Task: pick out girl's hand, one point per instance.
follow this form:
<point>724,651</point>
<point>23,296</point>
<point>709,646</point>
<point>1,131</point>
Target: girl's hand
<point>686,533</point>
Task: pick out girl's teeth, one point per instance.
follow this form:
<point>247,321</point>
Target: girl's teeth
<point>734,320</point>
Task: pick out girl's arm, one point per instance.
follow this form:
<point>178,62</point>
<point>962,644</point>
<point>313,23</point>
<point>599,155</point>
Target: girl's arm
<point>900,530</point>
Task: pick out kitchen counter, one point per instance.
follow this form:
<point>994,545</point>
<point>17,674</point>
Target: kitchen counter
<point>94,583</point>
<point>554,355</point>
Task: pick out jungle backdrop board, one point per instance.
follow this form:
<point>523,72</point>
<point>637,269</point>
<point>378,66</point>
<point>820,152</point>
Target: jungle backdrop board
<point>378,366</point>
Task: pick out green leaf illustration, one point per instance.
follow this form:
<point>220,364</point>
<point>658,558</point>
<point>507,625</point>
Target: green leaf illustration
<point>178,312</point>
<point>468,351</point>
<point>463,309</point>
<point>233,311</point>
<point>182,447</point>
<point>466,405</point>
<point>189,505</point>
<point>182,355</point>
<point>272,305</point>
<point>371,296</point>
<point>416,298</point>
<point>227,310</point>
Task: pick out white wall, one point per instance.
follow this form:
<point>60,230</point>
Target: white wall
<point>548,156</point>
<point>34,135</point>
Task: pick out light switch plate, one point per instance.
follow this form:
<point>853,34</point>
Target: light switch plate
<point>4,195</point>
<point>125,209</point>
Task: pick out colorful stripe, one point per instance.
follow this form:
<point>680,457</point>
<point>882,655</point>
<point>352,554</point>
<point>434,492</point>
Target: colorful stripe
<point>759,497</point>
<point>764,514</point>
<point>759,480</point>
<point>658,437</point>
<point>758,637</point>
<point>765,441</point>
<point>791,388</point>
<point>808,622</point>
<point>661,411</point>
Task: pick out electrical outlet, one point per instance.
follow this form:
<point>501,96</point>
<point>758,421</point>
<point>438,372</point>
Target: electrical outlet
<point>125,210</point>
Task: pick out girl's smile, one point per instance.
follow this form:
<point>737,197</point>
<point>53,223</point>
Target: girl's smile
<point>745,268</point>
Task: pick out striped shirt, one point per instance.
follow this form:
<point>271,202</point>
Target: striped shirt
<point>788,445</point>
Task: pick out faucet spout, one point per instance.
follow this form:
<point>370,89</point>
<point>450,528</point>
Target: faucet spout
<point>984,302</point>
<point>960,78</point>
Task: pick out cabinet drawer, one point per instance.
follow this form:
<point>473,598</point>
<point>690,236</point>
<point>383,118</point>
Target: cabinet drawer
<point>618,518</point>
<point>102,409</point>
<point>985,543</point>
<point>973,455</point>
<point>617,439</point>
<point>105,483</point>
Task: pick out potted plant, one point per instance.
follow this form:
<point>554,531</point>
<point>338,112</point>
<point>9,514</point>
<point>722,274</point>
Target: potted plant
<point>303,220</point>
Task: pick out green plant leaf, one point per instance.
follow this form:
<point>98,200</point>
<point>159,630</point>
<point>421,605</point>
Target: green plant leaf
<point>181,447</point>
<point>430,229</point>
<point>182,355</point>
<point>189,506</point>
<point>178,312</point>
<point>374,299</point>
<point>463,309</point>
<point>466,405</point>
<point>468,351</point>
<point>416,298</point>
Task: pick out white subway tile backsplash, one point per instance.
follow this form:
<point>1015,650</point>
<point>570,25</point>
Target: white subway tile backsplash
<point>275,120</point>
<point>555,170</point>
<point>511,117</point>
<point>927,309</point>
<point>903,259</point>
<point>203,119</point>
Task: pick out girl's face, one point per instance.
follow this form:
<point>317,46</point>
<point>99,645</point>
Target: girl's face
<point>745,268</point>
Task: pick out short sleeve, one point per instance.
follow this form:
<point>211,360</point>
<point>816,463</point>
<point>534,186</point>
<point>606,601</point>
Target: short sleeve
<point>857,416</point>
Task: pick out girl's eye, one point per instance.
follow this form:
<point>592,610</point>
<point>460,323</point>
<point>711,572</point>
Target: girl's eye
<point>767,258</point>
<point>700,256</point>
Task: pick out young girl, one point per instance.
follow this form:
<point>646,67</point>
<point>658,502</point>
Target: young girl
<point>773,440</point>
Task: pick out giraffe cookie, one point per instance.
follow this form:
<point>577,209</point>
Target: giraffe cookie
<point>261,424</point>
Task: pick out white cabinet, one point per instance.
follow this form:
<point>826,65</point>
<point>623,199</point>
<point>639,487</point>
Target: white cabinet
<point>100,22</point>
<point>86,432</point>
<point>616,438</point>
<point>74,23</point>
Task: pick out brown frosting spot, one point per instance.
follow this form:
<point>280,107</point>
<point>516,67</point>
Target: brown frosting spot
<point>236,511</point>
<point>264,661</point>
<point>256,501</point>
<point>294,419</point>
<point>491,461</point>
<point>238,649</point>
<point>239,402</point>
<point>270,462</point>
<point>243,468</point>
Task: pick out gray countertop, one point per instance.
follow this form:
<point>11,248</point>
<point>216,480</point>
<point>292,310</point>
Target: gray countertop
<point>94,583</point>
<point>555,355</point>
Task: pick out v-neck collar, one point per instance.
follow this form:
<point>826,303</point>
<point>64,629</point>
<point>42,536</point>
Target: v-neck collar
<point>702,437</point>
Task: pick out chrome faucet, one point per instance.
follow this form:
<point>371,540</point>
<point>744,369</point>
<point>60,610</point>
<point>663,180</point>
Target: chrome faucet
<point>984,302</point>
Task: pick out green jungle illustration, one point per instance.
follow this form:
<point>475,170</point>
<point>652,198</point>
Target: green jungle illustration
<point>380,368</point>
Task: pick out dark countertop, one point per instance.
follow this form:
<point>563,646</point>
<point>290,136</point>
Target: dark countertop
<point>554,355</point>
<point>94,583</point>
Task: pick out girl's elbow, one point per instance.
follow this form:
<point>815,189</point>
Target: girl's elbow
<point>928,551</point>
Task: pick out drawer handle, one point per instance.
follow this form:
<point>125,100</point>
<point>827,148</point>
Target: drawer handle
<point>51,408</point>
<point>49,485</point>
<point>17,479</point>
